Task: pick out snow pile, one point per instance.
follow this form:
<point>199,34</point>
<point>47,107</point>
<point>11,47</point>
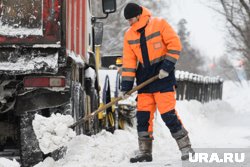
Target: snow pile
<point>103,149</point>
<point>7,30</point>
<point>8,163</point>
<point>48,162</point>
<point>53,132</point>
<point>217,124</point>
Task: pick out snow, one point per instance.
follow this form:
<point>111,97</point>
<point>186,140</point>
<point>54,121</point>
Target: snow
<point>212,125</point>
<point>238,100</point>
<point>53,132</point>
<point>76,58</point>
<point>8,163</point>
<point>129,101</point>
<point>7,30</point>
<point>58,45</point>
<point>34,63</point>
<point>90,73</point>
<point>217,124</point>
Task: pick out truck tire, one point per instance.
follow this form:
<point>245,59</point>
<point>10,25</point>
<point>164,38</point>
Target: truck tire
<point>30,152</point>
<point>75,95</point>
<point>94,107</point>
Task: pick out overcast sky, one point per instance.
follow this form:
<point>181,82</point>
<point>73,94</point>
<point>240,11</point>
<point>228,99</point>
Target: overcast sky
<point>205,25</point>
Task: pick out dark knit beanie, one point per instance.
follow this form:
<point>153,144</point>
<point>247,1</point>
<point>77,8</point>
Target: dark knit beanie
<point>132,10</point>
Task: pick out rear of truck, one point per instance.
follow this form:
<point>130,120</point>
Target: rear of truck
<point>36,74</point>
<point>47,65</point>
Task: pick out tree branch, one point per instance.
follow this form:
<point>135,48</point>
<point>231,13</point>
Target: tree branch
<point>246,7</point>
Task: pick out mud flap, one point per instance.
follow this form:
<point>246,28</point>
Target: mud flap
<point>40,99</point>
<point>29,146</point>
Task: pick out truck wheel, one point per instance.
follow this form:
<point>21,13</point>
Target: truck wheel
<point>77,108</point>
<point>30,152</point>
<point>91,89</point>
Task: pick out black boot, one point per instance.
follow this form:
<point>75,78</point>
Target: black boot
<point>145,151</point>
<point>184,143</point>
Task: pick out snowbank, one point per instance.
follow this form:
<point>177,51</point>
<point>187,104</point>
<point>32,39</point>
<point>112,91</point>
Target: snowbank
<point>217,124</point>
<point>53,132</point>
<point>105,149</point>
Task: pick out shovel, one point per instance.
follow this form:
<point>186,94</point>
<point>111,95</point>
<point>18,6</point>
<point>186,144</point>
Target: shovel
<point>115,101</point>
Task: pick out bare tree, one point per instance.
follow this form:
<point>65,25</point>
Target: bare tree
<point>237,14</point>
<point>223,67</point>
<point>115,26</point>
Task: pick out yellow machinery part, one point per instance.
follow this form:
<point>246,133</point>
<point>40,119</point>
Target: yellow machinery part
<point>101,114</point>
<point>111,119</point>
<point>113,106</point>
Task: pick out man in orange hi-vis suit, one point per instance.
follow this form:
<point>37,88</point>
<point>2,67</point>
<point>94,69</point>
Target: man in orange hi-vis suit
<point>152,47</point>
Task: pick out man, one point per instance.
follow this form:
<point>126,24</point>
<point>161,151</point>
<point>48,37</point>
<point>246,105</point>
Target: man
<point>152,47</point>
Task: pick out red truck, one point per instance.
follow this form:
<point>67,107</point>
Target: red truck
<point>47,65</point>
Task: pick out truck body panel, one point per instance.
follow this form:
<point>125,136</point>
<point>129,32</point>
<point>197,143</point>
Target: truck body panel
<point>23,61</point>
<point>29,22</point>
<point>29,46</point>
<point>76,27</point>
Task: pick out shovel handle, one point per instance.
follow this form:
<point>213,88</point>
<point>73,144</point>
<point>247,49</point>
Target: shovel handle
<point>104,107</point>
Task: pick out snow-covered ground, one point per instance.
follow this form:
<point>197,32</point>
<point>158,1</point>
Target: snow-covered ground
<point>217,124</point>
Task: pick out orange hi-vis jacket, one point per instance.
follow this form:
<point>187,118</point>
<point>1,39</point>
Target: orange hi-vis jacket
<point>150,45</point>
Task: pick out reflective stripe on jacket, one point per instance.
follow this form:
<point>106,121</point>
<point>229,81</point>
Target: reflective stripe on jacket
<point>150,45</point>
